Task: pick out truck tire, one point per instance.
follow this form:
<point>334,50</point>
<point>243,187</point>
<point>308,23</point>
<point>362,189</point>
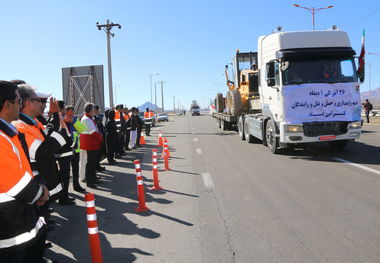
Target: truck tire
<point>235,102</point>
<point>249,138</point>
<point>338,145</point>
<point>241,128</point>
<point>224,125</point>
<point>219,102</point>
<point>228,102</point>
<point>270,136</point>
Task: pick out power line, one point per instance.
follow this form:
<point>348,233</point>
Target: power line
<point>362,17</point>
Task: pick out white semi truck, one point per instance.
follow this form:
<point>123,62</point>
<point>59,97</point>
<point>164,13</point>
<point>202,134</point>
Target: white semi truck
<point>299,87</point>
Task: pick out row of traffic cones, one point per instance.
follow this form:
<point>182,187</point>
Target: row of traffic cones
<point>93,235</point>
<point>156,186</point>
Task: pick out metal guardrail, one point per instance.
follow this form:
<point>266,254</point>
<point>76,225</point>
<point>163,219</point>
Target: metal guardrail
<point>372,113</point>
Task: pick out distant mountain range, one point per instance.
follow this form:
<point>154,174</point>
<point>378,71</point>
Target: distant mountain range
<point>374,97</point>
<point>149,105</point>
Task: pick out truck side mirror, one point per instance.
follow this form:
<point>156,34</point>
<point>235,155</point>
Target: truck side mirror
<point>361,79</point>
<point>271,82</point>
<point>270,70</point>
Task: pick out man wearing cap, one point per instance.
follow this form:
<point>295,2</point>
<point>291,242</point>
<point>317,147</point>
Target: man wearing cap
<point>43,98</point>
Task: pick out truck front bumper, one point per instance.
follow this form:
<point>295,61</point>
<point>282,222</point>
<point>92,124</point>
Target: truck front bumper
<point>300,137</point>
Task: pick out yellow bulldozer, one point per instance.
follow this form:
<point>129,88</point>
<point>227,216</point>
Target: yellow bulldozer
<point>242,93</point>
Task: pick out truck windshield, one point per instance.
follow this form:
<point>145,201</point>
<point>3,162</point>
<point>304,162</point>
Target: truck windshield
<point>331,70</point>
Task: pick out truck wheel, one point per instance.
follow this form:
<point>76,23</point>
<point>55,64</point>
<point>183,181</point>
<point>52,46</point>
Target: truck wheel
<point>338,145</point>
<point>241,128</point>
<point>249,138</point>
<point>270,136</point>
<point>219,102</point>
<point>235,102</point>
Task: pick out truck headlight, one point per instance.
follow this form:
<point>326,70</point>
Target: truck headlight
<point>354,125</point>
<point>293,128</point>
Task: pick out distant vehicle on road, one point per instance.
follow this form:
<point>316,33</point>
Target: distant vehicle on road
<point>162,117</point>
<point>195,110</point>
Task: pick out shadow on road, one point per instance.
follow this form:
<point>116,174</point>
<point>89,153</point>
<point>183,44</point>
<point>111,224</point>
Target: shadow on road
<point>119,201</point>
<point>356,152</point>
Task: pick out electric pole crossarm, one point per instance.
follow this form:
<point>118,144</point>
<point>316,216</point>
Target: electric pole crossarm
<point>107,28</point>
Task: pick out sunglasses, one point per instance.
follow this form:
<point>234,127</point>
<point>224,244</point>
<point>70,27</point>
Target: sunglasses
<point>36,99</point>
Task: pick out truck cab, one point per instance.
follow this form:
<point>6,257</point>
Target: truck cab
<point>309,90</point>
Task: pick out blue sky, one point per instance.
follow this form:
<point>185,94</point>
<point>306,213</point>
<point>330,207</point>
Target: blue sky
<point>186,42</point>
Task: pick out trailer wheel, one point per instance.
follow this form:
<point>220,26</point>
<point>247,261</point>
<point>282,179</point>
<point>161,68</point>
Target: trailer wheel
<point>338,145</point>
<point>228,102</point>
<point>241,128</point>
<point>235,102</point>
<point>224,125</point>
<point>219,102</point>
<point>270,136</point>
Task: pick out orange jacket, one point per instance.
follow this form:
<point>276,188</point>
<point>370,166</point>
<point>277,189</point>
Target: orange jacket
<point>19,190</point>
<point>148,115</point>
<point>42,144</point>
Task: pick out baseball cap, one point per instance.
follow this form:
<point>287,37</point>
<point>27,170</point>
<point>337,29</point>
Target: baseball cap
<point>42,95</point>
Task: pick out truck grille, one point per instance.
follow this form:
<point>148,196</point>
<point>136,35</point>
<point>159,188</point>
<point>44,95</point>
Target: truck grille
<point>312,129</point>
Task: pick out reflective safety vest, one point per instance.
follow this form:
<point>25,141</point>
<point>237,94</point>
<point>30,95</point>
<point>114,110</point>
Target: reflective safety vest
<point>19,191</point>
<point>118,121</point>
<point>148,117</point>
<point>42,147</point>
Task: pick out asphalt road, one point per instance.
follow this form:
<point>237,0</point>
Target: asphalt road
<point>229,201</point>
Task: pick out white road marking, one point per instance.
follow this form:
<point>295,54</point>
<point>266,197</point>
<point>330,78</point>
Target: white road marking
<point>195,139</point>
<point>357,165</point>
<point>199,151</point>
<point>207,181</point>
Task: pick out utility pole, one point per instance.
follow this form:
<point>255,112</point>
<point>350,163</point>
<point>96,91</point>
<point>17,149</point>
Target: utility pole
<point>162,95</point>
<point>151,91</point>
<point>107,28</point>
<point>174,104</point>
<point>155,95</point>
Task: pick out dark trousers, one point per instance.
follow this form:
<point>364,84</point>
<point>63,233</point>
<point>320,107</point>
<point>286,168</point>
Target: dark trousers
<point>64,176</point>
<point>30,254</point>
<point>121,142</point>
<point>127,138</point>
<point>75,169</point>
<point>139,130</point>
<point>367,116</point>
<point>92,157</point>
<point>147,129</point>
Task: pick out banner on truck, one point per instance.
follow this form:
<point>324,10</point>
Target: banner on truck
<point>321,102</point>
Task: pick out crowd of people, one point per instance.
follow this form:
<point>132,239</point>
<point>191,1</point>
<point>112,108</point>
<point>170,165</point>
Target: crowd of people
<point>39,154</point>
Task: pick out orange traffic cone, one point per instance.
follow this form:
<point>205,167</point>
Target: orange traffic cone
<point>142,139</point>
<point>140,188</point>
<point>160,142</point>
<point>166,160</point>
<point>165,148</point>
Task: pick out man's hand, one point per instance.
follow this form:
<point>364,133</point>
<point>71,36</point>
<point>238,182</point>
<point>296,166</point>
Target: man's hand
<point>54,107</point>
<point>44,197</point>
